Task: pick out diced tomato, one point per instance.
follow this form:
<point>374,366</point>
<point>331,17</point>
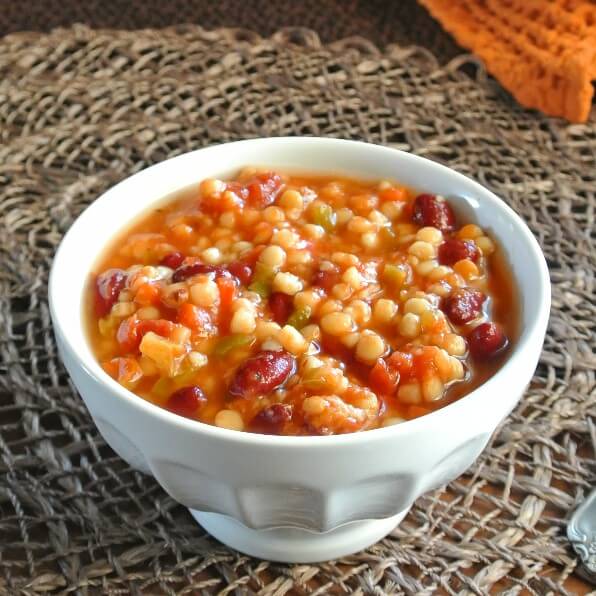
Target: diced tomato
<point>382,379</point>
<point>424,362</point>
<point>147,295</point>
<point>162,327</point>
<point>131,331</point>
<point>263,189</point>
<point>125,370</point>
<point>402,363</point>
<point>227,293</point>
<point>128,335</point>
<point>238,189</point>
<point>215,206</point>
<point>194,317</point>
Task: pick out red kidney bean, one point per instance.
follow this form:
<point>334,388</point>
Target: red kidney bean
<point>463,305</point>
<point>454,250</point>
<point>270,420</point>
<point>241,270</point>
<point>430,210</point>
<point>187,271</point>
<point>262,373</point>
<point>108,286</point>
<point>173,260</point>
<point>186,401</point>
<point>281,306</point>
<point>326,279</point>
<point>486,340</point>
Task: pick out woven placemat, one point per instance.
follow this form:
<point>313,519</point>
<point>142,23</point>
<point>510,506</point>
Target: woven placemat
<point>82,109</point>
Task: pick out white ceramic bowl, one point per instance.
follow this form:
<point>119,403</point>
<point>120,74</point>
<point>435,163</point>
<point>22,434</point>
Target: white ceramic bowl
<point>296,499</point>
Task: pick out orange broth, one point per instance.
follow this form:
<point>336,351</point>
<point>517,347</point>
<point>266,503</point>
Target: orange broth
<point>366,227</point>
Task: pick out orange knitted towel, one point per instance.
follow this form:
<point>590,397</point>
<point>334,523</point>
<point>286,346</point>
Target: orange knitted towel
<point>542,51</point>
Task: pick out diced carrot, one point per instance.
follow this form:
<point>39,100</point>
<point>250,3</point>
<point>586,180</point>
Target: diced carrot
<point>147,295</point>
<point>393,194</point>
<point>111,367</point>
<point>125,370</point>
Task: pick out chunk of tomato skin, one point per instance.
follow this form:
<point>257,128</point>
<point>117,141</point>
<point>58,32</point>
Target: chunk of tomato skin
<point>186,401</point>
<point>382,379</point>
<point>108,286</point>
<point>281,306</point>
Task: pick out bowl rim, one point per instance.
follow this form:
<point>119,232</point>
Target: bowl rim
<point>528,333</point>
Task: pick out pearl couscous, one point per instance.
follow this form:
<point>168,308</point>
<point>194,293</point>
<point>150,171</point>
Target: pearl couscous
<point>301,305</point>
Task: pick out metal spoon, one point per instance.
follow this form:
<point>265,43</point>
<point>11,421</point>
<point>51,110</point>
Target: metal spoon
<point>581,532</point>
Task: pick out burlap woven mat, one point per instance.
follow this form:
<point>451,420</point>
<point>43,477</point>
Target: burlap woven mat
<point>82,109</point>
